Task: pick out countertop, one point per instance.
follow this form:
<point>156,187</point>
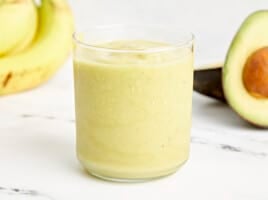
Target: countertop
<point>229,158</point>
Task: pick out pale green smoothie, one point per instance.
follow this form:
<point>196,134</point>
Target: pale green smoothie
<point>133,108</point>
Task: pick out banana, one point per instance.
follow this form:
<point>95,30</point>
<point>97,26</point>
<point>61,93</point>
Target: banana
<point>18,22</point>
<point>51,47</point>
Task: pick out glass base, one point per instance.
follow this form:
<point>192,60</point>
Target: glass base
<point>135,180</point>
<point>118,180</point>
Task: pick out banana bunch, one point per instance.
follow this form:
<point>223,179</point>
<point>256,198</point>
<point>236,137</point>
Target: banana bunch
<point>35,40</point>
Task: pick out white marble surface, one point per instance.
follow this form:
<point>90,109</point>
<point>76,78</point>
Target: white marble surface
<point>229,158</point>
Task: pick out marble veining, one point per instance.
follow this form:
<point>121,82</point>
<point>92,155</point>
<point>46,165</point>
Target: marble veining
<point>45,117</point>
<point>194,139</point>
<point>22,192</point>
<point>228,147</point>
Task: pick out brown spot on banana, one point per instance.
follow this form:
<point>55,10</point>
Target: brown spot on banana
<point>7,79</point>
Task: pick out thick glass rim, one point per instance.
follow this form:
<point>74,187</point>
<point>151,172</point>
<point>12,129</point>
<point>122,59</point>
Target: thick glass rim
<point>185,43</point>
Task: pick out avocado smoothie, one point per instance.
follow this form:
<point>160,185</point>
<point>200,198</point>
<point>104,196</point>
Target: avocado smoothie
<point>133,108</point>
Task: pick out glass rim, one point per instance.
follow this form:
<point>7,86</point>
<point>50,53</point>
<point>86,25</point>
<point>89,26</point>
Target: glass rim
<point>187,42</point>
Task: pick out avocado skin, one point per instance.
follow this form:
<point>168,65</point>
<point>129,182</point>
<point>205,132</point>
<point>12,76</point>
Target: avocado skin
<point>209,82</point>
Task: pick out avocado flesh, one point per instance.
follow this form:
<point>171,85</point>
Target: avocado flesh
<point>252,35</point>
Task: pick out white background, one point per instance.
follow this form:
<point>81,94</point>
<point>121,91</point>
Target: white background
<point>214,22</point>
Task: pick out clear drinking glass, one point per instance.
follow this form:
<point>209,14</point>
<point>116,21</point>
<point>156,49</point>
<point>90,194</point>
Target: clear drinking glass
<point>133,96</point>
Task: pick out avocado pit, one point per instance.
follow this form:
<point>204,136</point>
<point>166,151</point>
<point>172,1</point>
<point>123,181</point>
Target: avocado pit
<point>255,73</point>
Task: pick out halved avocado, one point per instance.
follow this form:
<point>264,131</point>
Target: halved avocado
<point>245,71</point>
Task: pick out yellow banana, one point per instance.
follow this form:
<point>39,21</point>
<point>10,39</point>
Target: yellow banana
<point>18,23</point>
<point>51,47</point>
